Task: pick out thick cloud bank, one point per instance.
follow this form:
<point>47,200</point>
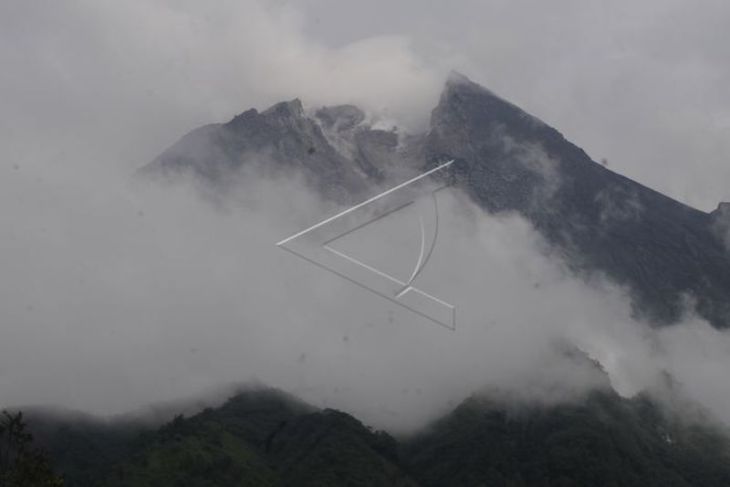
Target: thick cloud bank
<point>113,296</point>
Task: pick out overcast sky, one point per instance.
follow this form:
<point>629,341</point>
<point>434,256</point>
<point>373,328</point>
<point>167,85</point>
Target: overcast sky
<point>642,84</point>
<point>111,298</point>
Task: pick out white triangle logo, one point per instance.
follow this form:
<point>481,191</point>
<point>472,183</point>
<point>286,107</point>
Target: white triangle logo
<point>313,244</point>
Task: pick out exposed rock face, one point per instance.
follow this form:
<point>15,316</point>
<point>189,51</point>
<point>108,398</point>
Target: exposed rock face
<point>338,154</point>
<point>507,160</point>
<point>340,118</point>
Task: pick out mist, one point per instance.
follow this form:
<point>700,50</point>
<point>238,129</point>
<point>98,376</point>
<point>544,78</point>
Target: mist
<point>115,295</point>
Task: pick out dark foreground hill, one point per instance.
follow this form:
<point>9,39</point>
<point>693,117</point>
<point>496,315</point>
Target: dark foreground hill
<point>265,438</point>
<point>257,438</point>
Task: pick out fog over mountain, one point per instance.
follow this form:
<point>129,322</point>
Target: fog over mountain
<point>115,293</point>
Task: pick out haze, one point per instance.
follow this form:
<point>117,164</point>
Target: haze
<point>114,296</point>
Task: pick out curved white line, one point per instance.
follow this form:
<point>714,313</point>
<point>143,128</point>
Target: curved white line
<point>420,254</point>
<point>421,261</point>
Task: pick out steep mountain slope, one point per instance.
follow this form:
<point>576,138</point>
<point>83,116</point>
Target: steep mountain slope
<point>509,160</point>
<point>668,254</point>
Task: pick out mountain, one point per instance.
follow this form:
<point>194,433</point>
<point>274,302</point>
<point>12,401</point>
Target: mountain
<point>602,441</point>
<point>601,220</point>
<point>339,154</point>
<point>257,438</point>
<point>665,252</point>
<point>266,438</point>
<point>601,223</point>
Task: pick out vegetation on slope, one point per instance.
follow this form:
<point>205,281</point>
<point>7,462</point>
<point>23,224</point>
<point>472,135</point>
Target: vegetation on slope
<point>265,438</point>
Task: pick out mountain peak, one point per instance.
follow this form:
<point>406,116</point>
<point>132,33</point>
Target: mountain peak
<point>282,113</point>
<point>457,82</point>
<point>457,77</point>
<point>722,210</point>
<point>464,101</point>
<point>506,160</point>
<point>285,109</point>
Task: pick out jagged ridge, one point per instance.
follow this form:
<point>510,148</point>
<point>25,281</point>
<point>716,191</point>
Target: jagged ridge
<point>507,160</point>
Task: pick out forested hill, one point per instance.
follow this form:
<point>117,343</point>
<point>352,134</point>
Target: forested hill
<point>266,438</point>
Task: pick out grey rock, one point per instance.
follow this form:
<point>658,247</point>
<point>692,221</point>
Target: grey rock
<point>341,117</point>
<point>337,154</point>
<point>506,160</point>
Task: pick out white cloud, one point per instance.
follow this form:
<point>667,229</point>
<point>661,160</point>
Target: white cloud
<point>112,298</point>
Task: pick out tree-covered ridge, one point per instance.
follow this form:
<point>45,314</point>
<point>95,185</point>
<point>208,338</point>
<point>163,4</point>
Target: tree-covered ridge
<point>257,438</point>
<point>603,441</point>
<point>266,438</point>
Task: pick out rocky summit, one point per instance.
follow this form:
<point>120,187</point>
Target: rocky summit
<point>666,253</point>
